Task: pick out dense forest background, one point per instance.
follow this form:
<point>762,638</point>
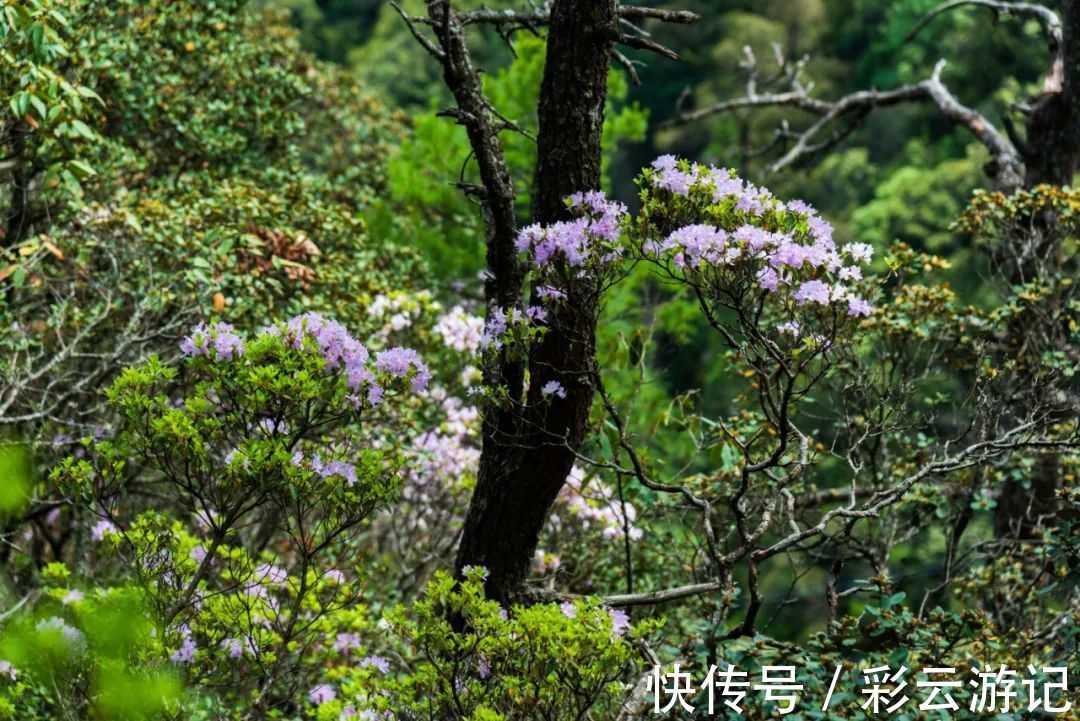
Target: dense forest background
<point>895,178</point>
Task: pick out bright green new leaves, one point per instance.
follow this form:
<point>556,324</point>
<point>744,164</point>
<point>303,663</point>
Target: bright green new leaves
<point>473,659</point>
<point>16,479</point>
<point>84,654</point>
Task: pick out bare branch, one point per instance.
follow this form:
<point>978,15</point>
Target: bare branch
<point>1049,19</point>
<point>641,43</point>
<point>1008,165</point>
<point>504,17</point>
<point>541,17</point>
<point>1022,436</point>
<point>627,65</point>
<point>634,12</point>
<point>420,38</point>
<point>1010,170</point>
<point>652,598</point>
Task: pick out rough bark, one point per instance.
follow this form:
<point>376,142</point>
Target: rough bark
<point>1051,152</point>
<point>529,451</point>
<point>505,274</point>
<point>1052,148</point>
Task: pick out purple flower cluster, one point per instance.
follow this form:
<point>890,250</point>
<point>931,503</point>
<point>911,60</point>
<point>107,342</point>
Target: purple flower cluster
<point>327,469</point>
<point>400,362</point>
<point>74,595</point>
<point>70,636</point>
<point>501,320</point>
<point>592,504</point>
<point>271,574</point>
<point>696,244</point>
<point>720,182</point>
<point>186,652</point>
<point>591,237</point>
<point>440,463</point>
<point>219,341</point>
<point>460,331</point>
<point>440,459</point>
<point>345,642</point>
<point>338,468</point>
<point>337,348</point>
<point>102,528</point>
<point>321,694</point>
<point>235,648</point>
<point>805,261</point>
<point>620,621</point>
<point>553,388</point>
<point>378,663</point>
<point>335,344</point>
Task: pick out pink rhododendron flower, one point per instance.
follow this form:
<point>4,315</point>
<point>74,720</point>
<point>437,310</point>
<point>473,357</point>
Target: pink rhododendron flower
<point>322,694</point>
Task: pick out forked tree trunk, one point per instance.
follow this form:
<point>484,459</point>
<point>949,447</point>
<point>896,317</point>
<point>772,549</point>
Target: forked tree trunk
<point>528,451</point>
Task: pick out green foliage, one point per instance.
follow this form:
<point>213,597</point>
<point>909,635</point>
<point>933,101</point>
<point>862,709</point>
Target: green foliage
<point>909,204</point>
<point>429,212</point>
<point>92,655</point>
<point>16,479</point>
<point>475,660</point>
<point>43,122</point>
<point>191,84</point>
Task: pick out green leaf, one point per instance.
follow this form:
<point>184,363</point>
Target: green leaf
<point>81,168</point>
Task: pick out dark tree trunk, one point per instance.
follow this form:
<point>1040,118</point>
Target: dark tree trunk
<point>1051,153</point>
<point>529,450</point>
<point>505,274</point>
<point>1053,129</point>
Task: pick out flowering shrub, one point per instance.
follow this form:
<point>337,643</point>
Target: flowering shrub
<point>741,249</point>
<point>470,658</point>
<point>242,440</point>
<point>774,266</point>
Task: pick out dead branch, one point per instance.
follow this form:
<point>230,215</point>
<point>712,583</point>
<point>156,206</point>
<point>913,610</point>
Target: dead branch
<point>1008,165</point>
<point>1048,18</point>
<point>1023,436</point>
<point>509,20</point>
